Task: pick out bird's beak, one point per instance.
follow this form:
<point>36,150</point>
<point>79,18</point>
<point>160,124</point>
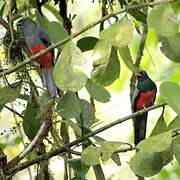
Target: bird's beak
<point>137,74</point>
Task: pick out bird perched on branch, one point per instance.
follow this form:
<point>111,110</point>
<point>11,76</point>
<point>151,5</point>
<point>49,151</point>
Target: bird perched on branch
<point>143,97</point>
<point>37,40</point>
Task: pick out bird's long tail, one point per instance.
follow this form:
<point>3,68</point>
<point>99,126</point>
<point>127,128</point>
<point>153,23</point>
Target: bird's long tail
<point>48,81</point>
<point>140,128</point>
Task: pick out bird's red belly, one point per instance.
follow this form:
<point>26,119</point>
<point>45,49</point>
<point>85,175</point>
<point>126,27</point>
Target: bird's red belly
<point>44,60</point>
<point>145,100</point>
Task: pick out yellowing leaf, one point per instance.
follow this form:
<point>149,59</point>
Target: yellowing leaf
<point>69,71</point>
<point>119,34</point>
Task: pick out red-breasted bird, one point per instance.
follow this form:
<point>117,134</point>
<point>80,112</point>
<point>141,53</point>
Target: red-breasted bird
<point>37,40</point>
<point>143,97</point>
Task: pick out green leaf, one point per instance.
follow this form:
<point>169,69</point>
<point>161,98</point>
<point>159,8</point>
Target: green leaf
<point>69,105</point>
<point>58,32</point>
<point>126,57</point>
<point>170,47</point>
<point>2,7</point>
<point>176,148</point>
<point>79,167</point>
<point>119,34</point>
<point>105,60</point>
<point>108,148</point>
<point>55,30</point>
<point>146,164</point>
<point>174,124</point>
<point>87,43</point>
<point>69,71</point>
<point>156,143</point>
<point>163,20</point>
<point>137,14</point>
<point>74,126</point>
<point>31,124</point>
<point>98,171</point>
<point>97,92</point>
<point>160,126</point>
<point>170,92</point>
<point>9,94</point>
<point>91,155</point>
<point>54,11</point>
<point>87,114</point>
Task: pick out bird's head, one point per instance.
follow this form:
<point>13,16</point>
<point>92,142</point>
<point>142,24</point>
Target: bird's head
<point>141,76</point>
<point>25,23</point>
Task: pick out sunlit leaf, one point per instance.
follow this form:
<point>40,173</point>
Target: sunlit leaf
<point>69,71</point>
<point>119,34</point>
<point>106,66</point>
<point>146,163</point>
<point>170,47</point>
<point>108,148</point>
<point>91,155</point>
<point>156,143</point>
<point>126,57</point>
<point>87,43</point>
<point>69,105</point>
<point>104,151</point>
<point>163,20</point>
<point>170,92</point>
<point>97,92</point>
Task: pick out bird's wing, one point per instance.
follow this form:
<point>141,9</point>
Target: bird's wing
<point>135,95</point>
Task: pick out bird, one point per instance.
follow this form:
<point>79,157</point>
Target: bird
<point>143,97</point>
<point>36,40</point>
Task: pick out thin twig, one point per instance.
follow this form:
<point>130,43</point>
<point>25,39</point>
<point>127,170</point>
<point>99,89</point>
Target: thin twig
<point>28,60</point>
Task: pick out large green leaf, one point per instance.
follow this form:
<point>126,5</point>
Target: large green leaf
<point>119,34</point>
<point>170,92</point>
<point>170,47</point>
<point>106,66</point>
<point>156,143</point>
<point>163,20</point>
<point>126,57</point>
<point>69,105</point>
<point>97,92</point>
<point>31,123</point>
<point>146,163</point>
<point>9,94</point>
<point>69,71</point>
<point>87,43</point>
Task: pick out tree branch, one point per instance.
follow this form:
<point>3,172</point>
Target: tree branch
<point>28,60</point>
<point>46,156</point>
